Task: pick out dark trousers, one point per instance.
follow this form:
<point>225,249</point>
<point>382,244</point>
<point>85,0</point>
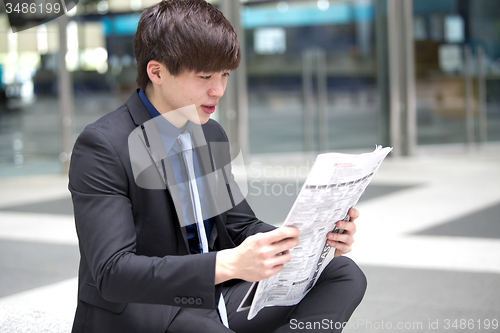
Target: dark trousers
<point>325,308</point>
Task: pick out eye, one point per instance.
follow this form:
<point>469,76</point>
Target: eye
<point>226,74</point>
<point>206,77</point>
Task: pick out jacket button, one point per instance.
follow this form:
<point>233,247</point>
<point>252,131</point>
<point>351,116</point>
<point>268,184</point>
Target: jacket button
<point>184,300</point>
<point>177,300</point>
<point>190,300</point>
<point>199,301</point>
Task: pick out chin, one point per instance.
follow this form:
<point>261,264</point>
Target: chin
<point>203,119</point>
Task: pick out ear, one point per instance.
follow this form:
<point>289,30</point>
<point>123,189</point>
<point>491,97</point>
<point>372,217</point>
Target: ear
<point>155,71</point>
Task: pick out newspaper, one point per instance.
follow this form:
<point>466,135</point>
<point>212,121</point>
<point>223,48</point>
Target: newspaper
<point>333,186</point>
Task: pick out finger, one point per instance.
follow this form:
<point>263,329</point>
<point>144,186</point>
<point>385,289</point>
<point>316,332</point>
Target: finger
<point>348,227</point>
<point>274,270</point>
<point>285,245</point>
<point>353,213</point>
<point>342,238</point>
<point>281,233</point>
<point>279,260</point>
<point>341,247</point>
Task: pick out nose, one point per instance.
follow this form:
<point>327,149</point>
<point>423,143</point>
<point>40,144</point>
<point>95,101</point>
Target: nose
<point>218,88</point>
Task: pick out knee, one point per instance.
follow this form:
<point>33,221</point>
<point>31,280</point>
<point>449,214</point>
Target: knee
<point>352,272</point>
<point>358,275</point>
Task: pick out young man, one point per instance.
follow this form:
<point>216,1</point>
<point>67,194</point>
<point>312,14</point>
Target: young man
<point>163,229</point>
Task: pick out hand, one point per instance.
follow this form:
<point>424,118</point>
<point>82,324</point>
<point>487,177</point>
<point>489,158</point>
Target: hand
<point>259,256</point>
<point>343,242</point>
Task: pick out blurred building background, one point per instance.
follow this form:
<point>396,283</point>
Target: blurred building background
<point>316,75</point>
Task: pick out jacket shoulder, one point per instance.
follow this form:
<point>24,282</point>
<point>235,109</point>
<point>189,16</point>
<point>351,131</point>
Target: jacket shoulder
<point>115,122</point>
<point>214,132</point>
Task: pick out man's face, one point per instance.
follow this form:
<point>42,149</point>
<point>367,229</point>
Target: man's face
<point>203,90</point>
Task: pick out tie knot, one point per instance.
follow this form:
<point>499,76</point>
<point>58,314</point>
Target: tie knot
<point>185,140</point>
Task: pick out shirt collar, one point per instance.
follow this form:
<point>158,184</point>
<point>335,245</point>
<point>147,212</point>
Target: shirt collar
<point>150,107</point>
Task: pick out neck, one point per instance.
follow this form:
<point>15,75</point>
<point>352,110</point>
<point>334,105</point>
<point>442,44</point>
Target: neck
<point>173,117</point>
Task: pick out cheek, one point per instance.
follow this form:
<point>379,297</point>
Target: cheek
<point>192,92</point>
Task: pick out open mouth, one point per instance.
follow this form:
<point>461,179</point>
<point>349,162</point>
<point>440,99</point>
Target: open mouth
<point>208,109</point>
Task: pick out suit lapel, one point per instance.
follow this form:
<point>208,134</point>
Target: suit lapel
<point>154,146</point>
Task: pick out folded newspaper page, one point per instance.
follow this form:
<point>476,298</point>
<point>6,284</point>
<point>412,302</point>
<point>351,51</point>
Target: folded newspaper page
<point>333,186</point>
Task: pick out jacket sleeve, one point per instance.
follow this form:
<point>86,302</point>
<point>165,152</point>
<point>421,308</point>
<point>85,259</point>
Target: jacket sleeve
<point>242,222</point>
<point>105,226</point>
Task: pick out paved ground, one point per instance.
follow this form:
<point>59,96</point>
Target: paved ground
<point>428,240</point>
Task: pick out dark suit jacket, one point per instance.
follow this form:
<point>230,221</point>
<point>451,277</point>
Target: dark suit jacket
<point>135,271</point>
